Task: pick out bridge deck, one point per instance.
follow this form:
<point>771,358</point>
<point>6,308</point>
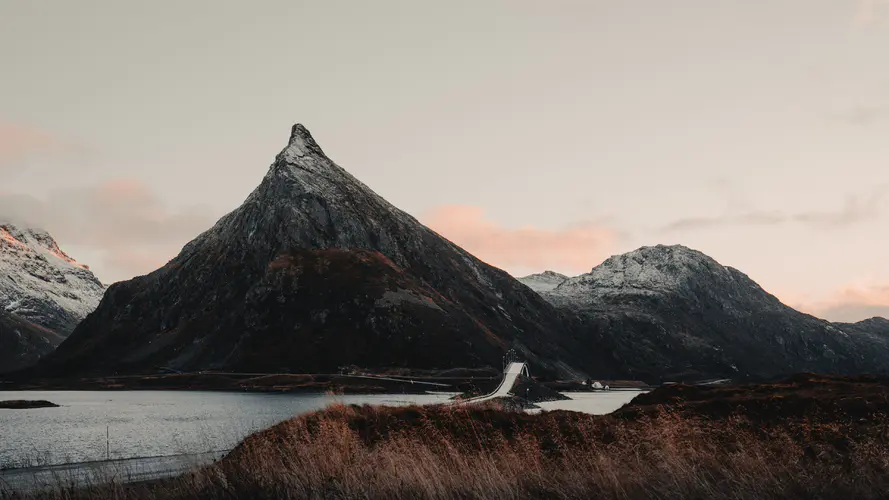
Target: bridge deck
<point>510,376</point>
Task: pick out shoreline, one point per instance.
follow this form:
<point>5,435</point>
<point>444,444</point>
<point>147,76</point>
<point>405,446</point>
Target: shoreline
<point>351,384</point>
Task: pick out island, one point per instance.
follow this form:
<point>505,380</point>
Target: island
<point>24,404</point>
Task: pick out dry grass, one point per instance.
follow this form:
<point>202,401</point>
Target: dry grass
<point>444,453</point>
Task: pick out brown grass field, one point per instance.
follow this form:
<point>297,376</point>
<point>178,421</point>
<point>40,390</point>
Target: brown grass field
<point>811,437</point>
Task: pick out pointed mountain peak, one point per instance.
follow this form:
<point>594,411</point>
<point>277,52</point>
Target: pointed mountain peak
<point>301,142</point>
<point>308,201</point>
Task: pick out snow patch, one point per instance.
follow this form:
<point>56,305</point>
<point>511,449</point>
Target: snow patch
<point>42,283</point>
<point>543,282</point>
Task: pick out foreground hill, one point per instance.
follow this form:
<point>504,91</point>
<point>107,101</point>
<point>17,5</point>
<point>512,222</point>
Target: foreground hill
<point>669,312</point>
<point>44,294</point>
<point>313,272</point>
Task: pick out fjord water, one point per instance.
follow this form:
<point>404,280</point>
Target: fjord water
<point>163,423</point>
<point>594,403</point>
<point>152,423</point>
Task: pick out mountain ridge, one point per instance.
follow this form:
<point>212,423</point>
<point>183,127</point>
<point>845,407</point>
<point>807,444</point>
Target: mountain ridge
<point>670,311</point>
<point>316,271</point>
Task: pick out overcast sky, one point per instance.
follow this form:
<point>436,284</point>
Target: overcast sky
<point>539,135</point>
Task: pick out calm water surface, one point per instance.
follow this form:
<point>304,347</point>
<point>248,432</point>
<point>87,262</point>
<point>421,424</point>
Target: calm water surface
<point>596,403</point>
<point>160,423</point>
<point>152,423</point>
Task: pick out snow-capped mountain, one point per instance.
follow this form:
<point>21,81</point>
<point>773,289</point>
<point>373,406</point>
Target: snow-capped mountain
<point>657,271</point>
<point>316,271</point>
<point>668,312</point>
<point>44,294</point>
<point>543,282</point>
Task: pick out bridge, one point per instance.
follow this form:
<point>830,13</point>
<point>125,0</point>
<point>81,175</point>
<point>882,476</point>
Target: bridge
<point>510,376</point>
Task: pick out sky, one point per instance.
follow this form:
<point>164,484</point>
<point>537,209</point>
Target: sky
<point>538,135</point>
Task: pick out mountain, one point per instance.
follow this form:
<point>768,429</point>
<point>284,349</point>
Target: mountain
<point>543,282</point>
<point>313,272</point>
<point>44,294</point>
<point>23,343</point>
<point>669,312</point>
<point>874,328</point>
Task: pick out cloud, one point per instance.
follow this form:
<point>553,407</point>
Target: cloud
<point>872,12</point>
<point>860,116</point>
<point>743,219</point>
<point>20,143</point>
<point>855,210</point>
<point>850,304</point>
<point>122,222</point>
<point>523,250</point>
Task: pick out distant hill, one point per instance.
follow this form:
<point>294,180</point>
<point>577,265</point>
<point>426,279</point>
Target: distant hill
<point>669,312</point>
<point>544,282</point>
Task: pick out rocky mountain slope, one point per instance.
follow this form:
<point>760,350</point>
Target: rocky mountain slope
<point>23,343</point>
<point>877,327</point>
<point>44,294</point>
<point>669,312</point>
<point>315,271</point>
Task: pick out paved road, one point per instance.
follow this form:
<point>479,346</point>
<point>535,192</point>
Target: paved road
<point>510,375</point>
<point>34,479</point>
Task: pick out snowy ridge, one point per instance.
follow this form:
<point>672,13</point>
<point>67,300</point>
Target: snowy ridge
<point>41,283</point>
<point>648,271</point>
<point>543,282</point>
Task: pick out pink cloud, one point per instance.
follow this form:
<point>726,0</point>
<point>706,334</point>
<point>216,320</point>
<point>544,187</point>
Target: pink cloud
<point>572,250</point>
<point>871,12</point>
<point>128,261</point>
<point>123,227</point>
<point>19,142</point>
<point>849,304</point>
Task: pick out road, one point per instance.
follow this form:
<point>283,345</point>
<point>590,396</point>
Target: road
<point>47,478</point>
<point>510,375</point>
